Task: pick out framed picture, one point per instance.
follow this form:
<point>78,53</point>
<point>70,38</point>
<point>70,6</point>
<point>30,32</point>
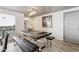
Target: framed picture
<point>47,21</point>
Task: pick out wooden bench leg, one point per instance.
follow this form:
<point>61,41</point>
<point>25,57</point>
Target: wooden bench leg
<point>47,42</point>
<point>50,42</point>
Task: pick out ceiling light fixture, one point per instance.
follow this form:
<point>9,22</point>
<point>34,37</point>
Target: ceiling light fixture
<point>32,13</point>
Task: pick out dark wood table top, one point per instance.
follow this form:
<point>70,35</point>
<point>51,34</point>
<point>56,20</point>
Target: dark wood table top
<point>35,34</point>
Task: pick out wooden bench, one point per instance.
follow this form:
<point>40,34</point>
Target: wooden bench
<point>49,39</point>
<point>26,45</point>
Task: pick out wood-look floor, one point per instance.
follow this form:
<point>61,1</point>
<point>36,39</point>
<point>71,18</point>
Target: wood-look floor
<point>57,46</point>
<point>61,46</point>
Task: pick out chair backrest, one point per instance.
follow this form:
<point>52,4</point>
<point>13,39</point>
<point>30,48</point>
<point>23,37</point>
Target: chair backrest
<point>3,34</point>
<point>5,43</point>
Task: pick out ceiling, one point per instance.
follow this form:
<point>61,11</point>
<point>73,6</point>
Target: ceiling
<point>40,9</point>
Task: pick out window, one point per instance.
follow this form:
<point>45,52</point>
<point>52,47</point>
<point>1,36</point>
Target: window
<point>7,23</point>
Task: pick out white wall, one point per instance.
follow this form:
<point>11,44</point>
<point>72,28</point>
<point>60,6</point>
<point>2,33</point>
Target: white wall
<point>57,23</point>
<point>19,19</point>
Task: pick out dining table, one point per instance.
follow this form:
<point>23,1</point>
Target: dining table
<point>36,35</point>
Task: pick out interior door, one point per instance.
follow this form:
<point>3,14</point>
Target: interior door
<point>71,27</point>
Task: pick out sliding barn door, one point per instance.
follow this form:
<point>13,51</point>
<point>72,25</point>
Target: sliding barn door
<point>71,27</point>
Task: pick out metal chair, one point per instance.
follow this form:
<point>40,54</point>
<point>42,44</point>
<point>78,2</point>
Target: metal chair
<point>5,43</point>
<point>2,37</point>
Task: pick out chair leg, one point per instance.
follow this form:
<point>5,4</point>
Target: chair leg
<point>1,42</point>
